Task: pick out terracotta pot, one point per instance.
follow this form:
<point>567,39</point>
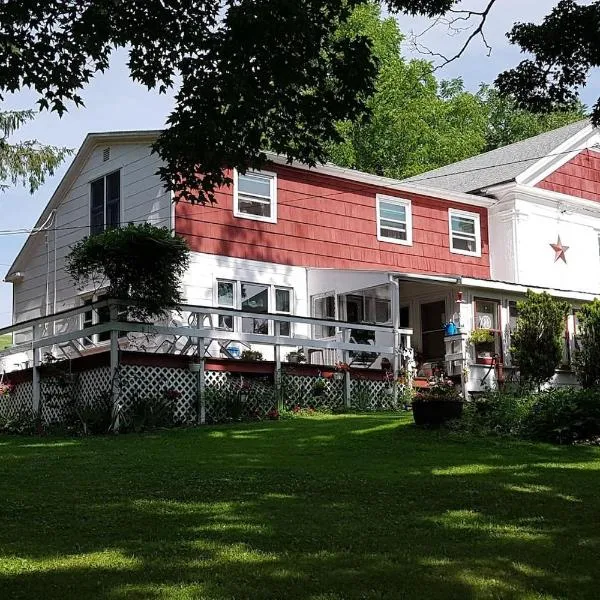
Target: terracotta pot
<point>485,360</point>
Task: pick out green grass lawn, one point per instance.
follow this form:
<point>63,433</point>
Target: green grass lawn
<point>314,508</point>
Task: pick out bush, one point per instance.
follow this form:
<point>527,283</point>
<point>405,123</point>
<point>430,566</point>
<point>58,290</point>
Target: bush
<point>587,358</point>
<point>559,416</point>
<point>537,341</point>
<point>564,416</point>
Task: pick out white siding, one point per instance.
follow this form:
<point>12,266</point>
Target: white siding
<point>142,198</point>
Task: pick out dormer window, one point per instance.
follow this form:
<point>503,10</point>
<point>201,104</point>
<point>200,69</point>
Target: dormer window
<point>255,196</point>
<point>105,203</point>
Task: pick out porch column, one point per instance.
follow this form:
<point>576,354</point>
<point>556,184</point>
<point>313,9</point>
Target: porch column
<point>114,365</point>
<point>395,302</point>
<point>36,383</point>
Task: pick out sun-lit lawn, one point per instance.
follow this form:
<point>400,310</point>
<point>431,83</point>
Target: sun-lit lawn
<point>315,508</point>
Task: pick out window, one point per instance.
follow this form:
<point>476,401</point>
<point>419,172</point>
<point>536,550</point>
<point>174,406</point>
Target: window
<point>255,299</point>
<point>486,314</point>
<point>465,235</point>
<point>105,203</point>
<point>394,220</point>
<point>255,195</point>
<point>283,305</point>
<point>226,299</point>
<point>324,308</point>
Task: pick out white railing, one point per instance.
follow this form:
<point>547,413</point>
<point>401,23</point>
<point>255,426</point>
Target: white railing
<point>61,334</point>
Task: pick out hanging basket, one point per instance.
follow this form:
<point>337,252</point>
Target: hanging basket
<point>195,367</point>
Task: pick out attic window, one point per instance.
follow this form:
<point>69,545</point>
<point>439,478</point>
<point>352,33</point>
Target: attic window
<point>106,154</point>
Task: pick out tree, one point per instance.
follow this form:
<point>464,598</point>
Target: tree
<point>538,340</point>
<point>507,122</point>
<point>26,162</point>
<point>587,357</point>
<point>418,123</point>
<point>250,70</point>
<point>141,264</point>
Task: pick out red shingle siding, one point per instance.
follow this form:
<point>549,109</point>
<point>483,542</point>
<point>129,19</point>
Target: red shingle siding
<point>579,177</point>
<point>330,222</point>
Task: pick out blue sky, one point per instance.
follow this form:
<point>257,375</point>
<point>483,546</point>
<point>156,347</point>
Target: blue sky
<point>113,102</point>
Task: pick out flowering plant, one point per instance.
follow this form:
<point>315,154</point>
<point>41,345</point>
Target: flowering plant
<point>342,366</point>
<point>273,414</point>
<point>171,394</point>
<point>5,389</point>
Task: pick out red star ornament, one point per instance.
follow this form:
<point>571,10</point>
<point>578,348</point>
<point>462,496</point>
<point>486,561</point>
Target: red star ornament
<point>559,250</point>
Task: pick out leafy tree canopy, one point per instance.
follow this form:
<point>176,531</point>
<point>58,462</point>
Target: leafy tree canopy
<point>142,264</point>
<point>27,162</point>
<point>254,70</point>
<point>418,123</point>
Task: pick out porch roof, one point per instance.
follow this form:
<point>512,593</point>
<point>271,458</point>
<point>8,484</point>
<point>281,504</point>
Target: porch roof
<point>380,277</point>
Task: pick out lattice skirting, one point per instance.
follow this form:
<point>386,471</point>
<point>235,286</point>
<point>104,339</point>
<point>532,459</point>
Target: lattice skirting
<point>227,396</point>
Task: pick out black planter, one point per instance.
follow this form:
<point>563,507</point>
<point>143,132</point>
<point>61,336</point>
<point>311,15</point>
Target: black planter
<point>436,412</point>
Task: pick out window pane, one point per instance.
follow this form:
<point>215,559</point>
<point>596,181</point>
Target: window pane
<point>397,234</point>
<point>486,314</point>
<point>113,199</point>
<point>97,206</point>
<point>463,225</point>
<point>226,322</point>
<point>464,244</point>
<point>254,184</point>
<point>225,293</point>
<point>254,207</point>
<point>392,211</point>
<point>284,328</point>
<point>282,301</point>
<point>255,299</point>
<point>324,308</point>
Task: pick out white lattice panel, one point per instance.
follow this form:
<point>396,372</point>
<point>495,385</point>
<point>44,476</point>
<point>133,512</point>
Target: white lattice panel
<point>139,381</point>
<point>299,390</point>
<point>367,394</point>
<point>20,399</point>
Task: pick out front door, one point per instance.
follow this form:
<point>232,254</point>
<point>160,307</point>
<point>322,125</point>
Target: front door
<point>433,317</point>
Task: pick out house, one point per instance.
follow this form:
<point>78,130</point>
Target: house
<point>462,243</point>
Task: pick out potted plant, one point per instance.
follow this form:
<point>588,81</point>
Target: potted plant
<point>319,387</point>
<point>251,355</point>
<point>483,340</point>
<point>340,369</point>
<point>296,357</point>
<point>437,404</point>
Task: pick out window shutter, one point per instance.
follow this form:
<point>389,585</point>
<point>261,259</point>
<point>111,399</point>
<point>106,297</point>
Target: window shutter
<point>97,207</point>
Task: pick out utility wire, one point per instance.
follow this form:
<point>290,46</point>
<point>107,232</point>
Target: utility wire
<point>305,196</point>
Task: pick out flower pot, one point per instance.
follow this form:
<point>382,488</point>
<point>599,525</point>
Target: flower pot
<point>436,412</point>
<point>195,367</point>
<point>485,360</point>
<point>338,376</point>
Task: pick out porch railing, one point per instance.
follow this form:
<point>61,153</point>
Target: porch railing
<point>191,332</point>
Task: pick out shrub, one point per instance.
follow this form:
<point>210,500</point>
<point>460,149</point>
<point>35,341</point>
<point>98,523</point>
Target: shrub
<point>587,358</point>
<point>564,416</point>
<point>537,341</point>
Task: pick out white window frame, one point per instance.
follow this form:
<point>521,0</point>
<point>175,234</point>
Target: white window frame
<point>273,198</point>
<point>407,204</point>
<point>234,306</point>
<point>237,302</point>
<point>453,212</point>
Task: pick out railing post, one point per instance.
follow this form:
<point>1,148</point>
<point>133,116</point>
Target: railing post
<point>114,366</point>
<point>201,382</point>
<point>347,379</point>
<point>277,374</point>
<point>36,393</point>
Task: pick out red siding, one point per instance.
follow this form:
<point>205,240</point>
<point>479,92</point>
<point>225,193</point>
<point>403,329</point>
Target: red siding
<point>330,222</point>
<point>579,177</point>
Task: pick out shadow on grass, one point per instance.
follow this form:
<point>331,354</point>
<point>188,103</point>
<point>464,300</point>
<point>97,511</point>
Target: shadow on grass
<point>332,508</point>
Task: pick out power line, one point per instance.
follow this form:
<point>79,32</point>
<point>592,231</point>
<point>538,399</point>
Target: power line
<point>305,196</point>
